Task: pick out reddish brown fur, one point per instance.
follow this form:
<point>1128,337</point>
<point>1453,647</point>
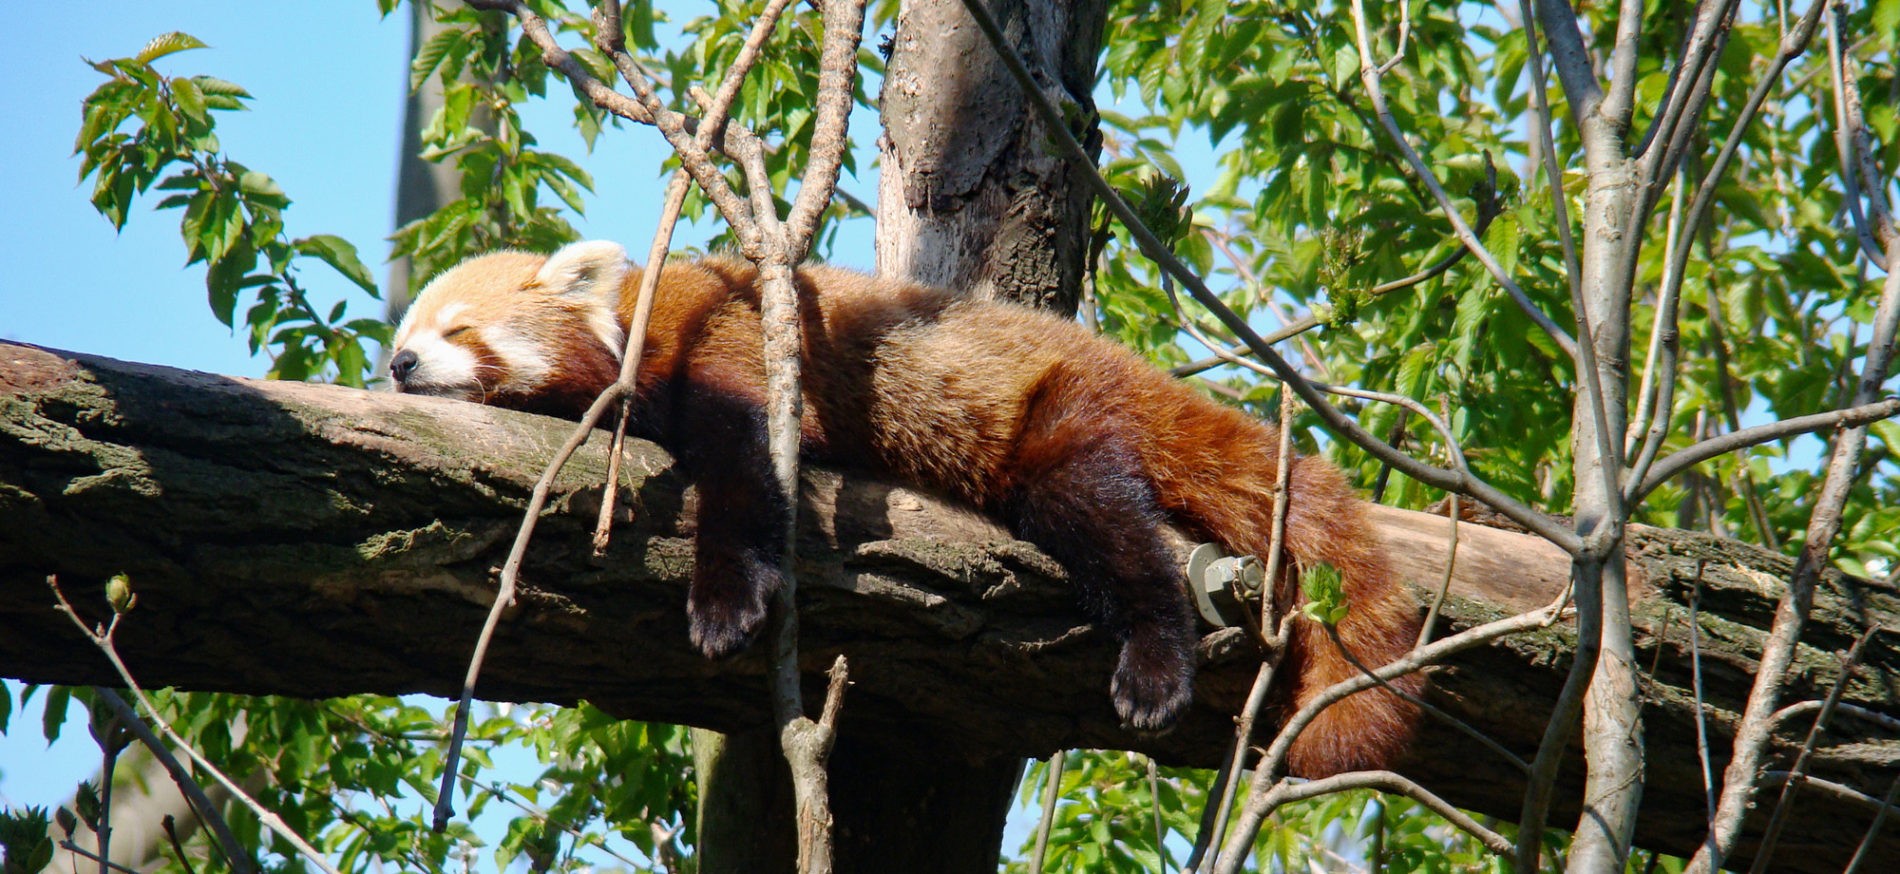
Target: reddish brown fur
<point>1072,440</point>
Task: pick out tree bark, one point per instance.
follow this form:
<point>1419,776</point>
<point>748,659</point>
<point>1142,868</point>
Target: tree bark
<point>971,196</point>
<point>310,540</point>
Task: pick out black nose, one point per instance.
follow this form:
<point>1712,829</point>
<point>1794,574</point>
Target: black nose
<point>403,364</point>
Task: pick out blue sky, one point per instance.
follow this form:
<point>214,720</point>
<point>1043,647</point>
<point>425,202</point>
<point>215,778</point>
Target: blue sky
<point>328,82</point>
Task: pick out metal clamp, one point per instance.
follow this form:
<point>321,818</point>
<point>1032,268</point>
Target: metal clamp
<point>1223,584</point>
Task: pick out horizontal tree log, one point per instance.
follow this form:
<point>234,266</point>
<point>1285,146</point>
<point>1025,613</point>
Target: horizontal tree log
<point>306,540</point>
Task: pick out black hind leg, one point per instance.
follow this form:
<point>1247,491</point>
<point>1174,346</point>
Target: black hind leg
<point>719,438</point>
<point>1091,507</point>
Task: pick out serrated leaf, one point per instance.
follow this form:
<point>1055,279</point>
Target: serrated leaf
<point>430,56</point>
<point>166,44</point>
<point>1504,239</point>
<point>191,101</point>
<point>1886,19</point>
<point>565,167</point>
<point>1345,66</point>
<point>214,86</point>
<point>1415,367</point>
<point>340,254</point>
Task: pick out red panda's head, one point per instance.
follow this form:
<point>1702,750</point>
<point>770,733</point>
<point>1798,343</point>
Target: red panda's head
<point>532,332</point>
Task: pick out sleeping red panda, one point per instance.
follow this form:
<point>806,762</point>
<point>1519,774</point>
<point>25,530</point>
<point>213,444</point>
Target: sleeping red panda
<point>1073,442</point>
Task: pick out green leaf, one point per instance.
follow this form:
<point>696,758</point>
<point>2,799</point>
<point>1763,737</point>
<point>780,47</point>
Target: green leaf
<point>1325,592</point>
<point>430,56</point>
<point>165,44</point>
<point>1886,18</point>
<point>54,715</point>
<point>262,189</point>
<point>190,100</point>
<point>340,254</point>
<point>1345,66</point>
<point>213,86</point>
<point>6,706</point>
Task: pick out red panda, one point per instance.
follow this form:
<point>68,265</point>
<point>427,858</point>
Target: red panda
<point>1073,442</point>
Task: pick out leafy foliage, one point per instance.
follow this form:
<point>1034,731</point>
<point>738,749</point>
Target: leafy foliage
<point>143,129</point>
<point>1308,211</point>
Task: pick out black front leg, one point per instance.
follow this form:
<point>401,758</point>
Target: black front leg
<point>718,434</point>
<point>1086,501</point>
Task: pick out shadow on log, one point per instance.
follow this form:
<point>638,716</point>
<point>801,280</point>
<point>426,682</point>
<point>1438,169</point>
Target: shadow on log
<point>314,541</point>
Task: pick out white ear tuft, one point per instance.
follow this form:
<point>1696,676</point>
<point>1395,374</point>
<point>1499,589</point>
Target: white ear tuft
<point>592,269</point>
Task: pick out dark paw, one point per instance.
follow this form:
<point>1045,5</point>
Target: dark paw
<point>724,623</point>
<point>1153,683</point>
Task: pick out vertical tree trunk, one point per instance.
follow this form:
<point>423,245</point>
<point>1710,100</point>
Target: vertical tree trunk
<point>970,198</point>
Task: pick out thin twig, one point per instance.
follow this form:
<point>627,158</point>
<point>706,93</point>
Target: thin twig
<point>1057,763</point>
<point>1553,167</point>
<point>1426,628</point>
<point>1274,761</point>
<point>1681,241</point>
<point>170,824</point>
<point>1847,148</point>
<point>1154,807</point>
<point>104,865</point>
<point>1722,444</point>
<point>1285,791</point>
<point>1777,819</point>
<point>609,38</point>
<point>1802,708</point>
<point>1873,828</point>
<point>620,389</point>
<point>1466,728</point>
<point>1756,726</point>
<point>542,817</point>
<point>1701,715</point>
<point>239,861</point>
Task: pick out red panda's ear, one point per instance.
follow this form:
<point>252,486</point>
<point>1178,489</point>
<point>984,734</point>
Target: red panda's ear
<point>590,269</point>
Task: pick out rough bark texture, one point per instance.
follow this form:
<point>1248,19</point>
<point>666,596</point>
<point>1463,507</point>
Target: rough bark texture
<point>313,541</point>
<point>972,197</point>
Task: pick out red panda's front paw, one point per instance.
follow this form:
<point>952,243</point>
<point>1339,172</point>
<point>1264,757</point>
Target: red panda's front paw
<point>1154,680</point>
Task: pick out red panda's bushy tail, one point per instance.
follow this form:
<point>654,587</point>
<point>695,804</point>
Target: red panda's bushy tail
<point>1215,467</point>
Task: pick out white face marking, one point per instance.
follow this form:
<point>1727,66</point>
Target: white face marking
<point>527,361</point>
<point>442,368</point>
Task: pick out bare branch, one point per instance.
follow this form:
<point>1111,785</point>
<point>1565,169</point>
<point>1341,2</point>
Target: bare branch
<point>1662,373</point>
<point>1564,35</point>
<point>1553,167</point>
<point>1873,828</point>
<point>837,74</point>
<point>1857,165</point>
<point>1057,763</point>
<point>1757,724</point>
<point>1274,761</point>
<point>1399,784</point>
<point>131,719</point>
<point>1722,444</point>
<point>1798,773</point>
